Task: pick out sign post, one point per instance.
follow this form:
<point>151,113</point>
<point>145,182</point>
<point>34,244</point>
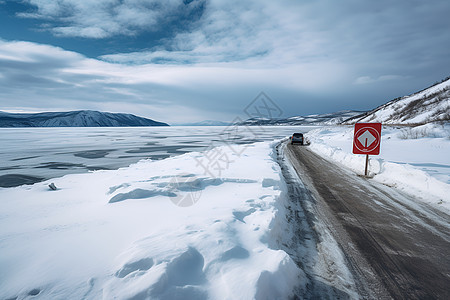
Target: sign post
<point>366,140</point>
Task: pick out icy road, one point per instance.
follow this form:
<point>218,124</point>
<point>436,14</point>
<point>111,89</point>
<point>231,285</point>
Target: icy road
<point>394,246</point>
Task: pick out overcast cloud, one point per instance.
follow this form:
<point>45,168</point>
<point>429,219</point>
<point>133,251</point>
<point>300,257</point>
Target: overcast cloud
<point>195,60</point>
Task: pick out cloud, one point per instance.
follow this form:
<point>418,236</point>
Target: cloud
<point>106,18</point>
<point>361,34</point>
<point>215,56</point>
<point>37,75</point>
<point>363,37</point>
<point>43,77</point>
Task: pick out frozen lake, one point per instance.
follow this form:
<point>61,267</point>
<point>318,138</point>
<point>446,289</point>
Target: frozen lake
<point>30,155</point>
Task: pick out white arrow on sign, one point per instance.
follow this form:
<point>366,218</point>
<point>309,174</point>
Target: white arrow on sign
<point>366,139</point>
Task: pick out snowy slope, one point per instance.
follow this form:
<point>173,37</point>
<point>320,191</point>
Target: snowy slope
<point>317,119</point>
<point>429,105</point>
<point>82,118</point>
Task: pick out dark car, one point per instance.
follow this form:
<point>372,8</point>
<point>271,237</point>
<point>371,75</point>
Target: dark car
<point>297,138</point>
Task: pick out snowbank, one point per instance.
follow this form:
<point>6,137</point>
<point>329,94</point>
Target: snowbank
<point>167,229</point>
<point>414,160</point>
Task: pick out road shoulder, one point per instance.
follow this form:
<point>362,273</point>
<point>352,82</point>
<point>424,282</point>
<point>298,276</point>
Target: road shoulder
<point>394,245</point>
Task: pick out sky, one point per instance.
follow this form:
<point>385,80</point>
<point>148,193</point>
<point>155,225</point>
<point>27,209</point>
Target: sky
<point>179,61</point>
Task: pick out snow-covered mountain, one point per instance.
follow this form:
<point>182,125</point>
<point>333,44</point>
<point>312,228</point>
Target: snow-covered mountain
<point>81,118</point>
<point>322,119</point>
<point>426,106</point>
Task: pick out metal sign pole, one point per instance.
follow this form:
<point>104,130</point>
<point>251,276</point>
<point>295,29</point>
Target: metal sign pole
<point>367,164</point>
<point>366,140</point>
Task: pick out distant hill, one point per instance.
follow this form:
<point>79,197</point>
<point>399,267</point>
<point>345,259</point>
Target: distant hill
<point>429,105</point>
<point>318,119</point>
<point>205,123</point>
<point>82,118</point>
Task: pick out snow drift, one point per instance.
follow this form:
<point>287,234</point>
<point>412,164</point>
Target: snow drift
<point>130,233</point>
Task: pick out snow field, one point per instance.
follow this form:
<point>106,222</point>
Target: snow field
<point>118,234</point>
<point>414,160</point>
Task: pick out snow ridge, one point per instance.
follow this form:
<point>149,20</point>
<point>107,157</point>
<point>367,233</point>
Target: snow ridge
<point>122,234</point>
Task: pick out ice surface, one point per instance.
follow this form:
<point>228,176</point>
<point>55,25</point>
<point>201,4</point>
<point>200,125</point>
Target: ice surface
<point>31,155</point>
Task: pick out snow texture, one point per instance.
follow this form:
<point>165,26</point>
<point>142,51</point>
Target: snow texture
<point>127,234</point>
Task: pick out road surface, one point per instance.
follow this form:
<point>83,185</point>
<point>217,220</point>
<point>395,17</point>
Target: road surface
<point>395,246</point>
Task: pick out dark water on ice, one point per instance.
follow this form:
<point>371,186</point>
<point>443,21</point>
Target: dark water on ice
<point>30,155</point>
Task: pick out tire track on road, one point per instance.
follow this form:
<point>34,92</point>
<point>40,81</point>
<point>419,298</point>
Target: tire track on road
<point>394,252</point>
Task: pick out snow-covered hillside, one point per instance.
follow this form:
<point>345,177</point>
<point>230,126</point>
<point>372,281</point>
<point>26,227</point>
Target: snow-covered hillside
<point>429,105</point>
<point>317,119</point>
<point>82,118</point>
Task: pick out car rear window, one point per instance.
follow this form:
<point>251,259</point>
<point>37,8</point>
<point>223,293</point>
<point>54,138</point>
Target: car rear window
<point>298,134</point>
